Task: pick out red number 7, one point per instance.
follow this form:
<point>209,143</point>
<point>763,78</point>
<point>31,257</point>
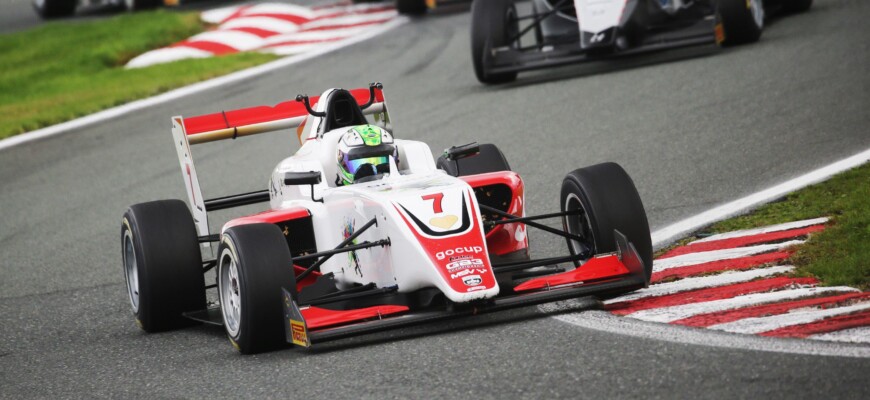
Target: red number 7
<point>436,204</point>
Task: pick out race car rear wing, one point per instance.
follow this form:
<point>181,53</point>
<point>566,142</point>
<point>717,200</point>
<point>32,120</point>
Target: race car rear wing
<point>251,121</point>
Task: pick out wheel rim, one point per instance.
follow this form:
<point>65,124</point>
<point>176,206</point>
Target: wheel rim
<point>757,10</point>
<point>578,225</point>
<point>230,293</point>
<point>131,271</point>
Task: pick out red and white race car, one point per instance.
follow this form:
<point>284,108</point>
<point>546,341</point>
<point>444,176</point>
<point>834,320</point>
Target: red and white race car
<point>365,232</point>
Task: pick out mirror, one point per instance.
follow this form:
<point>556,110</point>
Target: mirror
<point>302,178</point>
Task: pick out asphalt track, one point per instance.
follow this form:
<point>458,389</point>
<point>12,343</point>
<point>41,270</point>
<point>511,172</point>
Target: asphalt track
<point>692,131</point>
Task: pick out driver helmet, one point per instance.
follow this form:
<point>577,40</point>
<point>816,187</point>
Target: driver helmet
<point>363,151</point>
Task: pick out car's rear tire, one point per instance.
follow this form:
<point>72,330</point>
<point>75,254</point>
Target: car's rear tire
<point>411,7</point>
<point>608,200</point>
<point>138,5</point>
<point>162,264</point>
<point>54,8</point>
<point>254,264</point>
<point>493,22</point>
<point>742,20</point>
<point>796,6</point>
<point>490,159</point>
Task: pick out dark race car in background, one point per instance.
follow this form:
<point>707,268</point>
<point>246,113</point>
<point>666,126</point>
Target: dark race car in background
<point>509,36</point>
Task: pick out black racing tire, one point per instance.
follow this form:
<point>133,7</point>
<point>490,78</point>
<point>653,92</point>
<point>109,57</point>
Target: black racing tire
<point>254,264</point>
<point>162,264</point>
<point>742,21</point>
<point>138,5</point>
<point>796,6</point>
<point>411,7</point>
<point>493,22</point>
<point>490,159</point>
<point>608,199</point>
<point>48,9</point>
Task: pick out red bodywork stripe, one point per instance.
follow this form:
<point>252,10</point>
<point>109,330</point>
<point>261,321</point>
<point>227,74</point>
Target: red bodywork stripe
<point>721,317</point>
<point>596,269</point>
<point>270,217</point>
<point>316,317</point>
<point>742,241</point>
<point>205,45</point>
<point>260,114</point>
<point>709,294</point>
<point>721,265</point>
<point>833,324</point>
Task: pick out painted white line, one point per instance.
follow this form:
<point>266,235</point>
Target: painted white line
<point>672,232</point>
<point>766,229</point>
<point>116,112</point>
<point>854,335</point>
<point>687,284</point>
<point>717,255</point>
<point>670,314</point>
<point>764,324</point>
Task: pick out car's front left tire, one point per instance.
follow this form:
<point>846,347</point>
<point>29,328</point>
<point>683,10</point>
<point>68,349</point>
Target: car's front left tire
<point>254,264</point>
<point>742,20</point>
<point>54,8</point>
<point>493,24</point>
<point>603,198</point>
<point>162,264</point>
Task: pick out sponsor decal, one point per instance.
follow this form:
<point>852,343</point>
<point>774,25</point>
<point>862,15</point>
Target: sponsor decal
<point>468,271</point>
<point>476,288</point>
<point>352,258</point>
<point>464,264</point>
<point>444,222</point>
<point>472,280</point>
<point>459,250</point>
<point>298,334</point>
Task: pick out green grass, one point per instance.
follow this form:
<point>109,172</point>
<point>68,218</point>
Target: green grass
<point>63,70</point>
<point>839,255</point>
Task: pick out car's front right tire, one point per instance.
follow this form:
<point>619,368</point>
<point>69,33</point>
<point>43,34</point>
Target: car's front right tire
<point>254,264</point>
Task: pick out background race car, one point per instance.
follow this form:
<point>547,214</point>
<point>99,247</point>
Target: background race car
<point>508,36</point>
<point>366,232</point>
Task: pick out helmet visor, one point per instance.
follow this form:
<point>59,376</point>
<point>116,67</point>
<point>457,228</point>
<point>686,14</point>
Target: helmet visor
<point>354,165</point>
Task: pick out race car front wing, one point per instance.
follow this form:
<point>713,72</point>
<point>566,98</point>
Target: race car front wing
<point>602,275</point>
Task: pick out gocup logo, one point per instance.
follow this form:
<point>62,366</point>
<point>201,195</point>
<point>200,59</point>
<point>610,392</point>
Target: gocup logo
<point>459,250</point>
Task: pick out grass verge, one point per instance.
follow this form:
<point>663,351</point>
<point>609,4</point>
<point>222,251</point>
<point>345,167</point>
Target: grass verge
<point>839,255</point>
<point>64,70</point>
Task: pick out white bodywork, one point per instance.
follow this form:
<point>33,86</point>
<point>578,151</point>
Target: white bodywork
<point>432,245</point>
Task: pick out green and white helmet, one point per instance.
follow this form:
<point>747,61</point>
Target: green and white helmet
<point>363,151</point>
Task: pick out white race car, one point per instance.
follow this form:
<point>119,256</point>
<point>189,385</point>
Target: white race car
<point>365,232</point>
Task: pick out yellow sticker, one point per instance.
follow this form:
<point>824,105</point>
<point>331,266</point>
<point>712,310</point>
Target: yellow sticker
<point>297,330</point>
<point>430,4</point>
